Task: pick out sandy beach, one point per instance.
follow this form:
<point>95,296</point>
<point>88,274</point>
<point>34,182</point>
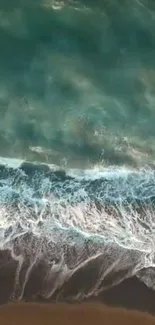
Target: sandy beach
<point>61,314</point>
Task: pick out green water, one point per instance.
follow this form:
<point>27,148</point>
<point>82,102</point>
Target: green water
<point>77,81</point>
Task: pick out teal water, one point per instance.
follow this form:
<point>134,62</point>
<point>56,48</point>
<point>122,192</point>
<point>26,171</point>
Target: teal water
<point>77,82</point>
<point>77,90</point>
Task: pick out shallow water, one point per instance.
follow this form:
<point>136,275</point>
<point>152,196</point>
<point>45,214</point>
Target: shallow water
<point>96,225</point>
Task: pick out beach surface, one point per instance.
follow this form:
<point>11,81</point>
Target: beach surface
<point>61,314</point>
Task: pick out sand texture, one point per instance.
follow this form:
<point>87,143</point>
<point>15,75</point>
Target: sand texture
<point>63,314</point>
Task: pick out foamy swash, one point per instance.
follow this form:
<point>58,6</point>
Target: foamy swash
<point>69,235</point>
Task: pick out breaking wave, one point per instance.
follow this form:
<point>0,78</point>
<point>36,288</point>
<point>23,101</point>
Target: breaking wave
<point>59,227</point>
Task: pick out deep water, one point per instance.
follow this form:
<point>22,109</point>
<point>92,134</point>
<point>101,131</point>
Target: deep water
<point>77,81</point>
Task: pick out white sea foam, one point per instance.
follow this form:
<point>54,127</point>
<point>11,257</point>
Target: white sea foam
<point>112,208</point>
<point>74,203</point>
<point>10,162</point>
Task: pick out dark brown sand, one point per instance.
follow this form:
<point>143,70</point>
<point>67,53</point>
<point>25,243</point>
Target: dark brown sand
<point>77,314</point>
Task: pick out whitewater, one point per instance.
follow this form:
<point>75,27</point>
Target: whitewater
<point>72,220</point>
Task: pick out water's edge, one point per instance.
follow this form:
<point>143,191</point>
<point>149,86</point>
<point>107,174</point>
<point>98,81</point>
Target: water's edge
<point>74,224</point>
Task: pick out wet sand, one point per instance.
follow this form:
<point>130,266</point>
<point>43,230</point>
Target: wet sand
<point>77,314</point>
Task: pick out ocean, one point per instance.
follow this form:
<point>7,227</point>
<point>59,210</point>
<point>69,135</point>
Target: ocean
<point>77,158</point>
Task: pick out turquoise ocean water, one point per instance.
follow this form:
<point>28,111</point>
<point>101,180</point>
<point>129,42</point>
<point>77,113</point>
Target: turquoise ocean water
<point>77,82</point>
<point>77,104</point>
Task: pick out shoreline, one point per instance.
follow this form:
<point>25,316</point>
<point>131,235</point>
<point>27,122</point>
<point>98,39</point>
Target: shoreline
<point>130,293</point>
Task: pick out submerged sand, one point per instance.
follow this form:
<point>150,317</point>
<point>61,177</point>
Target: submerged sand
<point>131,293</point>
